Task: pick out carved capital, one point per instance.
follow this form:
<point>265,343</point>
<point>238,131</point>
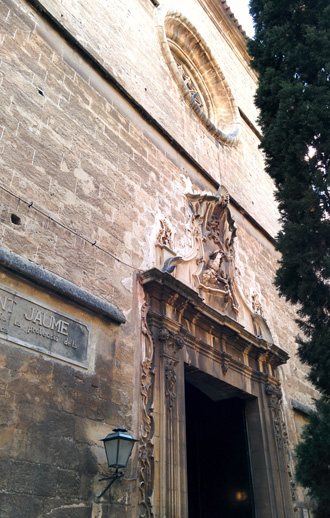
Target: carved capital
<point>274,393</point>
<point>163,334</point>
<point>171,343</point>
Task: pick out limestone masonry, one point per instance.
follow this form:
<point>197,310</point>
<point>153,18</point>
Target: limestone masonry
<point>136,268</point>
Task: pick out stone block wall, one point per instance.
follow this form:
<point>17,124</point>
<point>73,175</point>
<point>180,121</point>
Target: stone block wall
<point>85,179</point>
<point>148,79</point>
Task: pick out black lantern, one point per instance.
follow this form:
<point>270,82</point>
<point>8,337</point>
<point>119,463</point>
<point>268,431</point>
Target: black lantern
<point>118,447</point>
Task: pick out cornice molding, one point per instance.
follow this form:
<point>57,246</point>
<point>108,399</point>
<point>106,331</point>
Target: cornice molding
<point>53,283</point>
<point>224,20</point>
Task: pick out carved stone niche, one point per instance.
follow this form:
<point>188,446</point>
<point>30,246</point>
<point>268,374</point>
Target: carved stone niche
<point>206,262</point>
<point>187,337</point>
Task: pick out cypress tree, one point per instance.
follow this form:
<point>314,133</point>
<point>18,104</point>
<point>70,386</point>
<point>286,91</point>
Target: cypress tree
<point>291,53</point>
<point>313,454</point>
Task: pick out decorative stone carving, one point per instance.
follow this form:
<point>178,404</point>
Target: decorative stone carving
<point>171,342</point>
<point>225,362</point>
<point>274,394</point>
<point>145,458</point>
<point>218,262</point>
<point>164,242</point>
<point>165,234</point>
<point>256,304</point>
<point>198,75</point>
<point>211,257</point>
<point>204,259</point>
<point>192,87</point>
<point>170,381</point>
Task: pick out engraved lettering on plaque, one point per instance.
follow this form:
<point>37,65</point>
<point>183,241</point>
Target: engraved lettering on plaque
<point>27,323</point>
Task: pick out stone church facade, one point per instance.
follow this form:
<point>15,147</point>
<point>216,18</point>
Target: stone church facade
<point>136,268</point>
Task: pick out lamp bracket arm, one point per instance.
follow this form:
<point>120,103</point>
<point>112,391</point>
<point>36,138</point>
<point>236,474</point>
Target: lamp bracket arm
<point>117,475</point>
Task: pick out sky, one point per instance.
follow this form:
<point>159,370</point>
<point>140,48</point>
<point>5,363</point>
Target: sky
<point>240,8</point>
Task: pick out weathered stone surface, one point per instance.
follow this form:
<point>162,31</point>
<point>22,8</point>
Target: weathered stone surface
<point>85,182</point>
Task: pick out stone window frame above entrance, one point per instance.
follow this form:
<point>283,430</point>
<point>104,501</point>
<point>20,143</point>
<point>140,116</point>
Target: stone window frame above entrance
<point>181,43</point>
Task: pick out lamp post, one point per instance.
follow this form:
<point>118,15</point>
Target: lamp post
<point>118,447</point>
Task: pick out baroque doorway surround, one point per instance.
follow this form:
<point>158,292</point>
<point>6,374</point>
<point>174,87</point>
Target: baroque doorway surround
<point>207,329</point>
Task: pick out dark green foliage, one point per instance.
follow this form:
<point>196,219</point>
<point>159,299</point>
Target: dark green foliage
<point>291,53</point>
<point>314,458</point>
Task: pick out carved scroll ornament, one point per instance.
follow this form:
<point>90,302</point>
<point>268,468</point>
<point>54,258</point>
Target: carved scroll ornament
<point>146,458</point>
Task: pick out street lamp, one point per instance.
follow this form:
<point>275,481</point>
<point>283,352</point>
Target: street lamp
<point>118,447</point>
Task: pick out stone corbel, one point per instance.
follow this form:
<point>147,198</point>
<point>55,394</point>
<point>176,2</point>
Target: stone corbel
<point>225,360</point>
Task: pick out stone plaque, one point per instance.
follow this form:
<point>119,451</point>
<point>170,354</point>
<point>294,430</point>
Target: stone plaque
<point>29,324</point>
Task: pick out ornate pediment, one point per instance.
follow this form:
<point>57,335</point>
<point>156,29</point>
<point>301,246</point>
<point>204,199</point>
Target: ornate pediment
<point>204,259</point>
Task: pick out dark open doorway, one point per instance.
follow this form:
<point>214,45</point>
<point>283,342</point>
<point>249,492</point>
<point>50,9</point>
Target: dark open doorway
<point>218,468</point>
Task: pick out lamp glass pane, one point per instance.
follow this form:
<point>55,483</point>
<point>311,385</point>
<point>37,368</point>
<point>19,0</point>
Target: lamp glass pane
<point>125,448</point>
<point>111,448</point>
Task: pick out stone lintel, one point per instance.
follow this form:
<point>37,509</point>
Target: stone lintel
<point>56,284</point>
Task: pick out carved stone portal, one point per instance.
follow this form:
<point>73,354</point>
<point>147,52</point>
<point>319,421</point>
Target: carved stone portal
<point>184,336</point>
